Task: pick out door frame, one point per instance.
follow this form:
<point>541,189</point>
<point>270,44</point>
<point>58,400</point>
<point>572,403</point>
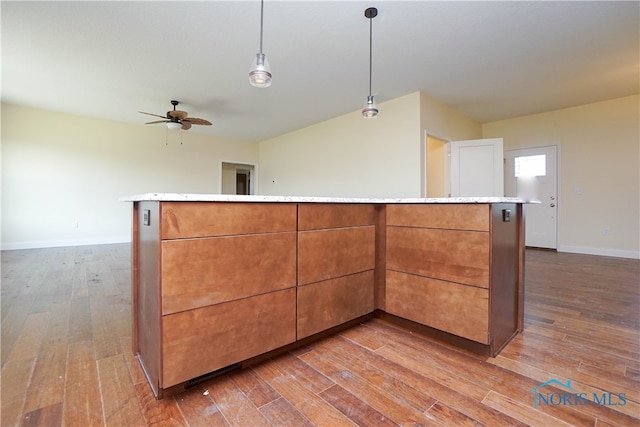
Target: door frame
<point>558,181</point>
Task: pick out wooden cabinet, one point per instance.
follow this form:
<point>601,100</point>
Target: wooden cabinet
<point>218,283</point>
<point>209,276</point>
<point>336,260</point>
<point>456,268</point>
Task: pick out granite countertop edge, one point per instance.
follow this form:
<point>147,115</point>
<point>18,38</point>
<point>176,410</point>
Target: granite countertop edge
<point>196,197</point>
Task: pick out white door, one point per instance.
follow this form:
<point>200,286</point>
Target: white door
<point>476,168</point>
<point>531,173</point>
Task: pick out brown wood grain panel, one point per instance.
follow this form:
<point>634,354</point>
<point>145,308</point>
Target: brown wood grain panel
<point>458,256</point>
<point>458,309</point>
<point>325,254</point>
<point>203,219</point>
<point>199,341</point>
<point>313,216</point>
<point>440,215</point>
<point>201,272</point>
<point>381,257</point>
<point>323,305</point>
<point>505,279</point>
<point>146,329</point>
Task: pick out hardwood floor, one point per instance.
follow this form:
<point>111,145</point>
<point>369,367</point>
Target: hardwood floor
<point>66,357</point>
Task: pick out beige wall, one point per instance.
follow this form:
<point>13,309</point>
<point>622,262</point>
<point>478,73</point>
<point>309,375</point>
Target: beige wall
<point>349,156</point>
<point>598,153</point>
<point>58,169</point>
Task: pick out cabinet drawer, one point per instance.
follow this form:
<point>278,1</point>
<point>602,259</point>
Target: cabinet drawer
<point>312,216</point>
<point>323,305</point>
<point>201,272</point>
<point>454,255</point>
<point>202,219</point>
<point>456,217</point>
<point>458,309</point>
<point>326,254</point>
<point>199,341</point>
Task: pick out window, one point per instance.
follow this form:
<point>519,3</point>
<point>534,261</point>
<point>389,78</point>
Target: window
<point>529,166</point>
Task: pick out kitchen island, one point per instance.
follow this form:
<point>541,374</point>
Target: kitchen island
<point>222,281</point>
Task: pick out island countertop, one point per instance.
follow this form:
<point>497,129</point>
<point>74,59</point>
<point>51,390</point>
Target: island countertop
<point>196,197</point>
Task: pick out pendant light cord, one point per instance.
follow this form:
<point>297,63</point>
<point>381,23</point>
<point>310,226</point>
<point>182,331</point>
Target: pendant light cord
<point>261,20</point>
<point>370,51</point>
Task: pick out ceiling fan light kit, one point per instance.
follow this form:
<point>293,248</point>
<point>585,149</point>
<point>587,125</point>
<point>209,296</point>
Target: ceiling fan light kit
<point>370,109</point>
<point>176,119</point>
<point>260,74</point>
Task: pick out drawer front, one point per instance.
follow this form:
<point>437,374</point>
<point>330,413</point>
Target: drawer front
<point>456,217</point>
<point>326,304</point>
<point>458,309</point>
<point>454,255</point>
<point>197,342</point>
<point>201,272</point>
<point>312,216</point>
<point>326,254</point>
<point>205,219</point>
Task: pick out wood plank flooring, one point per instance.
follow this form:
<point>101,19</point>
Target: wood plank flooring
<point>66,358</point>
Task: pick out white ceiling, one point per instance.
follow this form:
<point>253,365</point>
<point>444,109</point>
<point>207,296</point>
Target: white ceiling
<point>489,60</point>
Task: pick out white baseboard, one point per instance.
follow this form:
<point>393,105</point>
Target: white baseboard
<point>600,251</point>
<point>59,243</point>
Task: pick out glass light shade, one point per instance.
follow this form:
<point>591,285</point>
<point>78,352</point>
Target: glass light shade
<point>173,125</point>
<point>370,109</point>
<point>260,74</point>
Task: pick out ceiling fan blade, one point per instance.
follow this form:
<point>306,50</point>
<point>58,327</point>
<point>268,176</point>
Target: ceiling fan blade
<point>186,125</point>
<point>157,121</point>
<point>177,114</point>
<point>151,114</point>
<point>196,121</point>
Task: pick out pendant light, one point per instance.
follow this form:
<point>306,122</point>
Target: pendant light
<point>370,109</point>
<point>260,74</point>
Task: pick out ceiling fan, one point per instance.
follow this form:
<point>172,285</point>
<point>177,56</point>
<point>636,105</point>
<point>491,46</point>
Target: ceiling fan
<point>176,119</point>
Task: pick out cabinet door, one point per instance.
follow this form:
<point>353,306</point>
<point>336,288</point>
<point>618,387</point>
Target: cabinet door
<point>323,305</point>
<point>326,254</point>
<point>182,220</point>
<point>455,255</point>
<point>458,309</point>
<point>316,216</point>
<point>201,272</point>
<point>440,215</point>
<point>200,341</point>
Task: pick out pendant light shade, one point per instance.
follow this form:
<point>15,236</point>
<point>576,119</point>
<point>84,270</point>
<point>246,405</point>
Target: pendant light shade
<point>370,109</point>
<point>260,74</point>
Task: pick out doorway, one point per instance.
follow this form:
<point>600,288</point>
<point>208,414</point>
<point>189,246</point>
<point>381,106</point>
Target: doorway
<point>532,174</point>
<point>237,178</point>
<point>436,167</point>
